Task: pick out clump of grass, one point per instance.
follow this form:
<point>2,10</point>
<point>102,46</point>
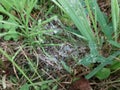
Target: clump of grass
<point>17,24</point>
<point>21,21</point>
<point>78,13</point>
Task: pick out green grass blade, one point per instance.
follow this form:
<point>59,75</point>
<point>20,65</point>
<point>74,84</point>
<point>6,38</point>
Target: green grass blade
<point>77,13</point>
<point>114,43</point>
<point>106,29</point>
<point>12,61</point>
<point>93,19</point>
<point>115,17</point>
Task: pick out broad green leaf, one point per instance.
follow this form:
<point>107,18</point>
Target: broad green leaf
<point>6,26</point>
<point>104,73</point>
<point>10,23</point>
<point>12,34</point>
<point>107,61</point>
<point>89,59</point>
<point>115,65</point>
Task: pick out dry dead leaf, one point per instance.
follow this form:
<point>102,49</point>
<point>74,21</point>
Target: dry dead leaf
<point>82,84</point>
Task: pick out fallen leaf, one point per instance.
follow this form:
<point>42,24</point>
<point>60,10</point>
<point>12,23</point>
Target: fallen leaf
<point>82,84</point>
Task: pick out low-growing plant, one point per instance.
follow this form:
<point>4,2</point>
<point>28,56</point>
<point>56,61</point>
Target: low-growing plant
<point>16,23</point>
<point>90,33</point>
<point>19,22</point>
<point>10,30</point>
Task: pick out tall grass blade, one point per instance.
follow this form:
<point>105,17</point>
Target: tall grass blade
<point>114,43</point>
<point>115,17</point>
<point>13,62</point>
<point>106,29</point>
<point>77,13</point>
<point>93,18</point>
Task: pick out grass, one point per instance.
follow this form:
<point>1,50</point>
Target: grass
<point>45,49</point>
<point>76,12</point>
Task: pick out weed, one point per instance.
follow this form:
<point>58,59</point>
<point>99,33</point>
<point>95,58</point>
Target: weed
<point>76,11</point>
<point>37,58</point>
